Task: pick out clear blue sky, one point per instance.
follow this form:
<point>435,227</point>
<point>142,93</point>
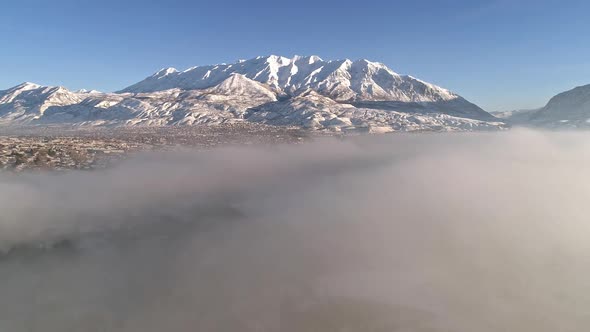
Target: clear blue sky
<point>500,54</point>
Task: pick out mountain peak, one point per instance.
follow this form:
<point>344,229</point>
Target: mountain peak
<point>277,58</point>
<point>11,94</point>
<point>239,85</point>
<point>27,86</point>
<point>87,92</point>
<point>307,59</point>
<point>165,72</point>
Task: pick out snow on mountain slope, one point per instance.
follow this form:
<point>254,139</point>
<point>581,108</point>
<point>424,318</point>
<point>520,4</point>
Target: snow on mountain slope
<point>458,107</point>
<point>309,110</point>
<point>240,86</point>
<point>225,102</point>
<point>314,111</point>
<point>345,81</point>
<point>341,80</point>
<point>235,99</point>
<point>28,101</point>
<point>303,91</point>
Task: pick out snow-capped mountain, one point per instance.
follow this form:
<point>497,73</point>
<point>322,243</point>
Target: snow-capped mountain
<point>567,109</point>
<point>348,81</point>
<point>29,100</point>
<point>302,91</point>
<point>341,80</point>
<point>226,102</point>
<point>315,111</point>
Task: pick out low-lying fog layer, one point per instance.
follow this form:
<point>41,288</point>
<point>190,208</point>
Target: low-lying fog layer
<point>463,232</point>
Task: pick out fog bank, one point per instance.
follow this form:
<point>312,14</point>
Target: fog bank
<point>432,232</point>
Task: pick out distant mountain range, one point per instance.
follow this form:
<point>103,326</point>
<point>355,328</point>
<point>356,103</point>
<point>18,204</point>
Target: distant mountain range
<point>307,92</point>
<point>570,109</point>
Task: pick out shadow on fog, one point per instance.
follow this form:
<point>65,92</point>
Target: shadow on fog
<point>461,232</point>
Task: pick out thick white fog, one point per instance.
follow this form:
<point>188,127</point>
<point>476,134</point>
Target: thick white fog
<point>430,232</point>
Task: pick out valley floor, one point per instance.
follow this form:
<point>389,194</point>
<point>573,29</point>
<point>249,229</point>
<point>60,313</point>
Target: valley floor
<point>58,148</point>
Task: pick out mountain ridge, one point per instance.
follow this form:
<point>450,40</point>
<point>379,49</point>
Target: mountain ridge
<point>364,79</point>
<point>568,109</point>
<point>305,91</point>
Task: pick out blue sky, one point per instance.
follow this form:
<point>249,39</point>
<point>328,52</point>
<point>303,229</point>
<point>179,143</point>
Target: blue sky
<point>499,54</point>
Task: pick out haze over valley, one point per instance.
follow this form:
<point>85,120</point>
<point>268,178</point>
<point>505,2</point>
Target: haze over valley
<point>376,233</point>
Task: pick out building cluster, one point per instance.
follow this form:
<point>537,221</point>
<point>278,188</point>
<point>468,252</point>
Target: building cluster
<point>59,153</point>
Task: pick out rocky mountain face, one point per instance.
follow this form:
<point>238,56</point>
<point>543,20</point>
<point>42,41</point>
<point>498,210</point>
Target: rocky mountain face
<point>302,91</point>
